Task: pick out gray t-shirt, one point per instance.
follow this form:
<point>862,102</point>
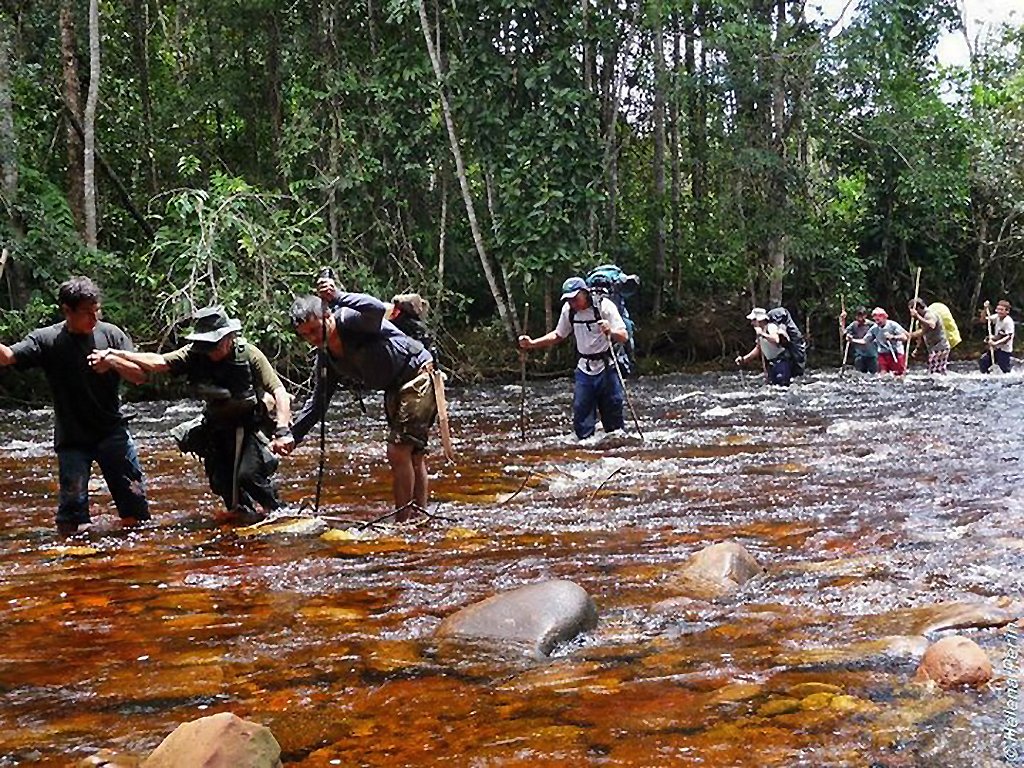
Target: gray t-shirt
<point>934,338</point>
<point>861,331</point>
<point>892,328</point>
<point>589,338</point>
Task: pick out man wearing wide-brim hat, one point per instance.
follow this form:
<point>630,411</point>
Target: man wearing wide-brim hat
<point>231,376</point>
<point>770,342</point>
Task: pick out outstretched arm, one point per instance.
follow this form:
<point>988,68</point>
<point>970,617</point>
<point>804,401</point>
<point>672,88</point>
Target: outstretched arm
<point>149,362</point>
<point>104,360</point>
<point>549,339</point>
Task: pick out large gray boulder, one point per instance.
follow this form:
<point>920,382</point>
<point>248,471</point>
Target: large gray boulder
<point>715,571</point>
<point>223,740</point>
<point>536,617</point>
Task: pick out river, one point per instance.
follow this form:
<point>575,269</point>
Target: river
<point>869,501</point>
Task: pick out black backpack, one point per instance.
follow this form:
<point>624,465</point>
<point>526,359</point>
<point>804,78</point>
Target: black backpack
<point>796,347</point>
<point>609,280</point>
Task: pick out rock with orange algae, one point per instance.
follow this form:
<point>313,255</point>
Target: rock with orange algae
<point>223,740</point>
<point>536,617</point>
<point>715,571</point>
<point>105,758</point>
<point>954,661</point>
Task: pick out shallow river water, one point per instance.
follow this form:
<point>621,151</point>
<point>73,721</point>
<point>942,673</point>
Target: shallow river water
<point>870,502</point>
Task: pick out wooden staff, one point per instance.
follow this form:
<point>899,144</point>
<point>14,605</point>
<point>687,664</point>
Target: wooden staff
<point>991,336</point>
<point>913,319</point>
<point>522,375</point>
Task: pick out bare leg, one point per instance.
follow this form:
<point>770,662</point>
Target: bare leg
<point>403,478</point>
<point>421,488</point>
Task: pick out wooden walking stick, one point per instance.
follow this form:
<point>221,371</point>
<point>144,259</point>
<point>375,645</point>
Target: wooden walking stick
<point>913,319</point>
<point>991,336</point>
<point>522,375</point>
<point>842,334</point>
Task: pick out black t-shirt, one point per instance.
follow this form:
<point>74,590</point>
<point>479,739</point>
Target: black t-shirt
<point>86,404</point>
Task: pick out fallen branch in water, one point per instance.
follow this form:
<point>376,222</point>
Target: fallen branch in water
<point>603,484</point>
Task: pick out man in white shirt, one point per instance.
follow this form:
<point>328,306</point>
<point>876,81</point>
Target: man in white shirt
<point>595,323</point>
<point>1001,341</point>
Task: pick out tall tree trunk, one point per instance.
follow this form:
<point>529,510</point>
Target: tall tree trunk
<point>140,13</point>
<point>778,244</point>
<point>275,102</point>
<point>9,169</point>
<point>460,171</point>
<point>89,126</point>
<point>674,160</point>
<point>72,89</point>
<point>658,42</point>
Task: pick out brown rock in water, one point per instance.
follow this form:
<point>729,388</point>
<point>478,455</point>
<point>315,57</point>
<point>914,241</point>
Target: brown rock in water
<point>716,571</point>
<point>219,741</point>
<point>536,617</point>
<point>954,661</point>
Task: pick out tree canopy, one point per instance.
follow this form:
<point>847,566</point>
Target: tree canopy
<point>479,152</point>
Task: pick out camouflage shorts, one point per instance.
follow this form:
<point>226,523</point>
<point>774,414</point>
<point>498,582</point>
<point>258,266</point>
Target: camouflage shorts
<point>411,410</point>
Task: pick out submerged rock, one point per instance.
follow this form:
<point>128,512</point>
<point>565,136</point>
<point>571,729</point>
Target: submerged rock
<point>537,617</point>
<point>965,615</point>
<point>295,526</point>
<point>954,661</point>
<point>715,571</point>
<point>223,740</point>
<point>106,758</point>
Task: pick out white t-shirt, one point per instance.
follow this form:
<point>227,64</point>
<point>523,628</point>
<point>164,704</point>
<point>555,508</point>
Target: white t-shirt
<point>1003,326</point>
<point>589,338</point>
<point>770,349</point>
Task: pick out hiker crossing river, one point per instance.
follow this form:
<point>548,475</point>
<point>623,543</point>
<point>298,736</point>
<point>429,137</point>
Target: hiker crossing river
<point>865,548</point>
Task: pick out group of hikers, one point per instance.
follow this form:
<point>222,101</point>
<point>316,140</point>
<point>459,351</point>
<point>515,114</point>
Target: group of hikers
<point>247,424</point>
<point>880,345</point>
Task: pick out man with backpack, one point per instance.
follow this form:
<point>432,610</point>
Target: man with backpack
<point>361,345</point>
<point>594,322</point>
<point>235,381</point>
<point>934,333</point>
<point>771,343</point>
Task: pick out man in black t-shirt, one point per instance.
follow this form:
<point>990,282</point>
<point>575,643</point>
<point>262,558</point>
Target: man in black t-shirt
<point>88,423</point>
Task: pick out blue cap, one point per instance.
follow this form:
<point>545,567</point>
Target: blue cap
<point>572,286</point>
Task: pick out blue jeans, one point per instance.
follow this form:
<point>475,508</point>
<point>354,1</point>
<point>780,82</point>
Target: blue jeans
<point>119,463</point>
<point>1002,360</point>
<point>597,392</point>
<point>779,371</point>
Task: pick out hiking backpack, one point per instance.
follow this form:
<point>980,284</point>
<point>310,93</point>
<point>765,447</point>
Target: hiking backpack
<point>609,280</point>
<point>797,345</point>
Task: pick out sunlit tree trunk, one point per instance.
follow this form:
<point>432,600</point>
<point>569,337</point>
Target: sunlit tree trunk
<point>460,171</point>
<point>89,127</point>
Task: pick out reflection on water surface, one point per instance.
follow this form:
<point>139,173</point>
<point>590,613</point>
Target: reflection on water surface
<point>868,501</point>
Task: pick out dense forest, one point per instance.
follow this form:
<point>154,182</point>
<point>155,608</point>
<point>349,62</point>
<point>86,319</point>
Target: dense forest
<point>185,152</point>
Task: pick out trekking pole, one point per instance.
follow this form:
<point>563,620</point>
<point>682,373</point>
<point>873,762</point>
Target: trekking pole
<point>846,352</point>
<point>325,273</point>
<point>618,372</point>
<point>522,375</point>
